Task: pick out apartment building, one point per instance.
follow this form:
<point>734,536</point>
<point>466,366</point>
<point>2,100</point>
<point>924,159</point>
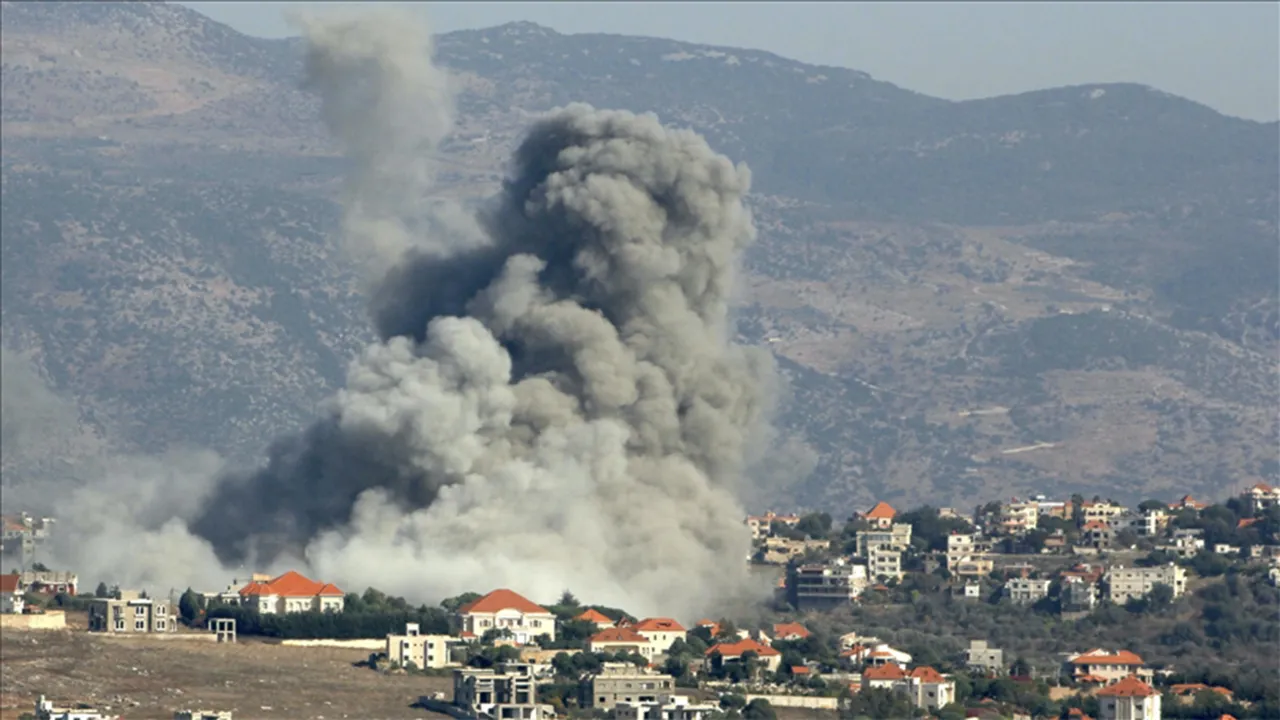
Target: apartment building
<point>1025,591</point>
<point>983,658</point>
<point>1096,534</point>
<point>1130,699</point>
<point>884,563</point>
<point>132,613</point>
<point>1078,595</point>
<point>506,610</point>
<point>1101,511</point>
<point>508,692</point>
<point>48,582</point>
<point>763,526</point>
<point>1126,583</point>
<point>625,683</point>
<point>665,707</point>
<point>1018,518</point>
<point>421,651</point>
<point>896,537</point>
<point>826,586</point>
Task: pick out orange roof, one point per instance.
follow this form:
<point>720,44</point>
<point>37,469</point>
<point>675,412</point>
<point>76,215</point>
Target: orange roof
<point>1245,522</point>
<point>1077,714</point>
<point>1128,687</point>
<point>1193,688</point>
<point>659,625</point>
<point>783,630</point>
<point>1091,679</point>
<point>1096,525</point>
<point>853,651</point>
<point>1098,657</point>
<point>593,615</point>
<point>882,511</point>
<point>1263,487</point>
<point>291,584</point>
<point>888,671</point>
<point>10,583</point>
<point>502,599</point>
<point>926,674</point>
<point>799,670</point>
<point>737,649</point>
<point>618,635</point>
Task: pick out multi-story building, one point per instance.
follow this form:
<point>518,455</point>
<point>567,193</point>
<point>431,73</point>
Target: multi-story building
<point>422,651</point>
<point>1024,591</point>
<point>930,689</point>
<point>1078,595</point>
<point>131,613</point>
<point>984,658</point>
<point>1107,667</point>
<point>881,516</point>
<point>1262,496</point>
<point>47,582</point>
<point>1129,699</point>
<point>1018,518</point>
<point>884,563</point>
<point>616,640</point>
<point>506,693</point>
<point>661,632</point>
<point>665,707</point>
<point>503,609</point>
<point>1100,511</point>
<point>823,587</point>
<point>1096,534</point>
<point>1126,583</point>
<point>763,526</point>
<point>895,537</point>
<point>1150,522</point>
<point>11,600</point>
<point>624,682</point>
<point>291,593</point>
<point>778,550</point>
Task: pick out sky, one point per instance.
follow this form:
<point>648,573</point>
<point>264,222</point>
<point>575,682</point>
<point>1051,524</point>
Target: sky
<point>1225,55</point>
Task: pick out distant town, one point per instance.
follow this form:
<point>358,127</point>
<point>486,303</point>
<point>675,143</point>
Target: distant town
<point>1071,561</point>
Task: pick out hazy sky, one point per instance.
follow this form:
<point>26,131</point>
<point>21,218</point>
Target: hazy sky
<point>1225,55</point>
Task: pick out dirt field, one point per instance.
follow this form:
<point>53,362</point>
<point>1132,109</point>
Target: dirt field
<point>146,679</point>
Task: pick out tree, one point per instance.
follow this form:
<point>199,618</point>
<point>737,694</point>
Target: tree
<point>102,591</point>
<point>815,525</point>
<point>759,709</point>
<point>189,607</point>
<point>39,567</point>
<point>568,600</point>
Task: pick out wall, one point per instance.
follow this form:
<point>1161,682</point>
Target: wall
<point>812,702</point>
<point>357,644</point>
<point>50,620</point>
<point>157,637</point>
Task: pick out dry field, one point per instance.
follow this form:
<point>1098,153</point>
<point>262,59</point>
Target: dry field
<point>145,679</point>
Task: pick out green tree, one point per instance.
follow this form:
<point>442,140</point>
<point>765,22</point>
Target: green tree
<point>759,709</point>
<point>815,525</point>
<point>189,607</point>
<point>102,591</point>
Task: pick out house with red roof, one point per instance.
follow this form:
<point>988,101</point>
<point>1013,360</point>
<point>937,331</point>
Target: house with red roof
<point>11,593</point>
<point>881,516</point>
<point>889,676</point>
<point>733,651</point>
<point>595,617</point>
<point>1107,667</point>
<point>507,610</point>
<point>930,688</point>
<point>621,640</point>
<point>1128,699</point>
<point>1262,496</point>
<point>291,592</point>
<point>661,632</point>
<point>790,632</point>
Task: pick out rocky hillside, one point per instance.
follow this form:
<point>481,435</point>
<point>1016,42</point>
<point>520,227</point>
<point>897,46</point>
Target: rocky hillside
<point>1066,290</point>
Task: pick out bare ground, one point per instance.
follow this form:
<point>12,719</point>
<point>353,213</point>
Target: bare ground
<point>144,679</point>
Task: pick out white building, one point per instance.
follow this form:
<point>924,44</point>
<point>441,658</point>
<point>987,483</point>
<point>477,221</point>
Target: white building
<point>616,640</point>
<point>423,651</point>
<point>291,593</point>
<point>667,707</point>
<point>930,689</point>
<point>506,610</point>
<point>1125,583</point>
<point>1129,699</point>
<point>11,593</point>
<point>884,562</point>
<point>1024,591</point>
<point>46,710</point>
<point>660,632</point>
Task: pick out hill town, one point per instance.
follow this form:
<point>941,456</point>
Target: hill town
<point>1156,612</point>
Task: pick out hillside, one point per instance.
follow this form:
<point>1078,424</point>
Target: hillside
<point>1066,290</point>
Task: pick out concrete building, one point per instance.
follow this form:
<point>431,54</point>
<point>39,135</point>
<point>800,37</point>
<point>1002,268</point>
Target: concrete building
<point>291,593</point>
<point>1096,534</point>
<point>666,707</point>
<point>884,563</point>
<point>423,651</point>
<point>202,715</point>
<point>660,632</point>
<point>983,658</point>
<point>824,587</point>
<point>1018,518</point>
<point>1099,665</point>
<point>1129,699</point>
<point>47,582</point>
<point>508,693</point>
<point>1078,595</point>
<point>763,526</point>
<point>132,613</point>
<point>896,537</point>
<point>46,710</point>
<point>930,689</point>
<point>1025,591</point>
<point>881,516</point>
<point>1263,496</point>
<point>1126,583</point>
<point>625,683</point>
<point>503,609</point>
<point>1102,511</point>
<point>621,640</point>
<point>960,549</point>
<point>733,652</point>
<point>11,600</point>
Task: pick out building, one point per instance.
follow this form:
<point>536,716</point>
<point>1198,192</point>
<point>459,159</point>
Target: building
<point>884,563</point>
<point>881,516</point>
<point>11,600</point>
<point>660,632</point>
<point>963,548</point>
<point>1262,496</point>
<point>1078,595</point>
<point>895,537</point>
<point>625,683</point>
<point>1150,522</point>
<point>1098,665</point>
<point>984,659</point>
<point>291,593</point>
<point>507,693</point>
<point>132,613</point>
<point>46,710</point>
<point>666,707</point>
<point>506,610</point>
<point>1096,534</point>
<point>790,632</point>
<point>1018,518</point>
<point>732,652</point>
<point>929,688</point>
<point>778,550</point>
<point>1124,584</point>
<point>202,715</point>
<point>763,526</point>
<point>420,651</point>
<point>621,639</point>
<point>1101,512</point>
<point>1186,502</point>
<point>823,587</point>
<point>888,676</point>
<point>1024,591</point>
<point>599,619</point>
<point>978,566</point>
<point>1129,699</point>
<point>45,582</point>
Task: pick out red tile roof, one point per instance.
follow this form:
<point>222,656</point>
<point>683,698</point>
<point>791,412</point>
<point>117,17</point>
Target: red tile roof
<point>1097,657</point>
<point>659,625</point>
<point>882,511</point>
<point>1128,687</point>
<point>593,615</point>
<point>291,584</point>
<point>10,583</point>
<point>1263,487</point>
<point>888,671</point>
<point>1245,522</point>
<point>785,630</point>
<point>737,649</point>
<point>618,635</point>
<point>1096,525</point>
<point>502,599</point>
<point>926,674</point>
<point>799,670</point>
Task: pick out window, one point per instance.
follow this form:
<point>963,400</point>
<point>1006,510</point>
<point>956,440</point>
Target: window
<point>162,610</point>
<point>160,625</point>
<point>139,610</point>
<point>119,625</point>
<point>140,625</point>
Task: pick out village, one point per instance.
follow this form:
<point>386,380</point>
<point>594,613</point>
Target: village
<point>508,657</point>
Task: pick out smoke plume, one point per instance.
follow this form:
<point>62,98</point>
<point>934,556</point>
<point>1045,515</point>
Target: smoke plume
<point>555,405</point>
